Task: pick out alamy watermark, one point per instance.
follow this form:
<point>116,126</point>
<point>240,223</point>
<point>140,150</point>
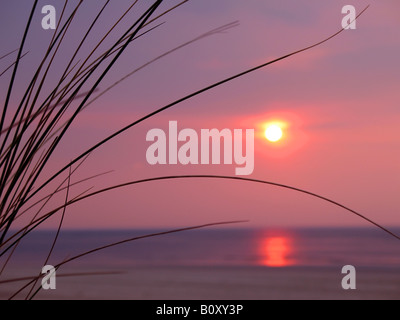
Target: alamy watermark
<point>349,281</point>
<point>49,21</point>
<point>49,278</point>
<point>188,147</point>
<point>349,21</point>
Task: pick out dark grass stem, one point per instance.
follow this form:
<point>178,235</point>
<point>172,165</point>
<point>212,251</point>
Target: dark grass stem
<point>10,87</point>
<point>137,26</point>
<point>39,221</point>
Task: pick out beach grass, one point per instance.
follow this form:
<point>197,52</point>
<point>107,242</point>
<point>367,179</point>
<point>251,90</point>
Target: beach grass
<point>33,125</point>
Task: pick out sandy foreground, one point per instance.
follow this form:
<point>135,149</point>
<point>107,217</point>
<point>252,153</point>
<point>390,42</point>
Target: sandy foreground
<point>218,283</point>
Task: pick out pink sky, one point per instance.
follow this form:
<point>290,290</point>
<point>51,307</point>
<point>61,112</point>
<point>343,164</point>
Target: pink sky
<point>340,100</point>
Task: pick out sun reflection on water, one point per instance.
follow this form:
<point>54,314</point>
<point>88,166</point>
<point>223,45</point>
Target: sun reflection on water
<point>275,251</point>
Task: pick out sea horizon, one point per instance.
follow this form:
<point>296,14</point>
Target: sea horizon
<point>270,247</point>
<point>291,263</point>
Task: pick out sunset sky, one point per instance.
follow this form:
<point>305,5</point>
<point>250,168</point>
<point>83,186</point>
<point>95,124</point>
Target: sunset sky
<point>338,103</point>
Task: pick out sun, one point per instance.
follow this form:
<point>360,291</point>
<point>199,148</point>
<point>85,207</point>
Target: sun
<point>273,133</point>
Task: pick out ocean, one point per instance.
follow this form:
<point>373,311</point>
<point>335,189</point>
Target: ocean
<point>215,263</point>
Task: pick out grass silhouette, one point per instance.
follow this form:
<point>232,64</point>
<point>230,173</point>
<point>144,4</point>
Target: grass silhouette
<point>30,134</point>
